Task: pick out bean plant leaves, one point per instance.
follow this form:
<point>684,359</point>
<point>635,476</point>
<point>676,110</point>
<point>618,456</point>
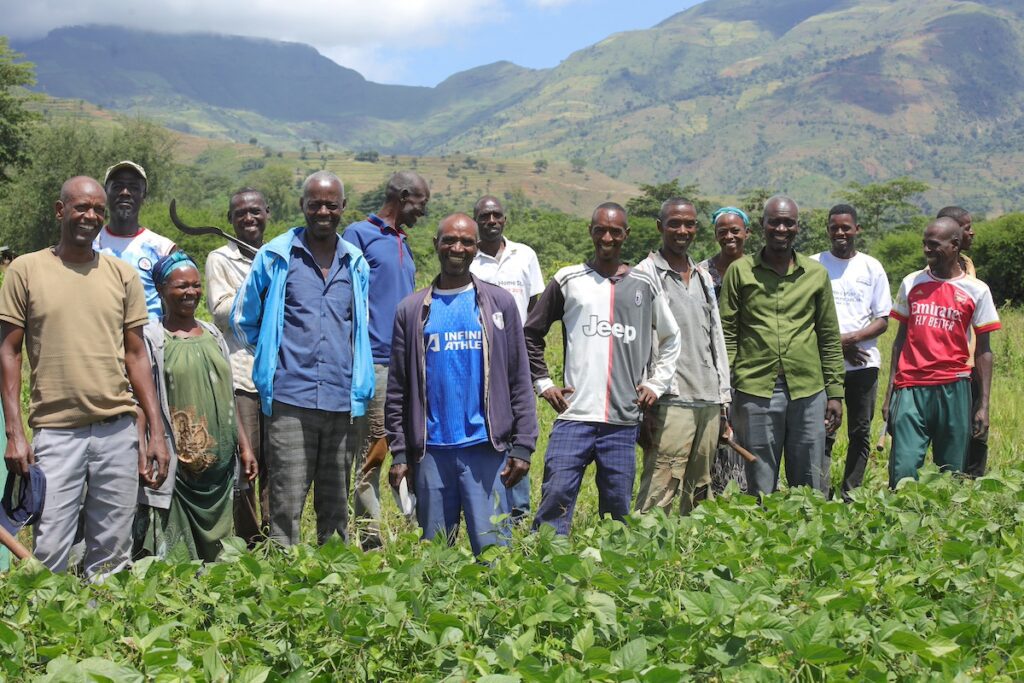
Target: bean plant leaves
<point>924,583</point>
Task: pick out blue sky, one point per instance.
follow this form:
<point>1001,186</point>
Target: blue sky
<point>413,42</point>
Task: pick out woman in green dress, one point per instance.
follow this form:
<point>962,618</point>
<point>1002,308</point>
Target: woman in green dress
<point>188,517</point>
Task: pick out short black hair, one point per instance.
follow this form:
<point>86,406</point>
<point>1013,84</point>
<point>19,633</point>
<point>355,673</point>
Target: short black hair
<point>674,201</point>
<point>840,209</point>
<point>957,213</point>
<point>403,181</point>
<point>610,206</point>
<point>239,192</point>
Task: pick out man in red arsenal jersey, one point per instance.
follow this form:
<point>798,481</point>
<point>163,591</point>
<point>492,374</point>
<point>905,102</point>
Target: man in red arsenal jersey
<point>929,396</point>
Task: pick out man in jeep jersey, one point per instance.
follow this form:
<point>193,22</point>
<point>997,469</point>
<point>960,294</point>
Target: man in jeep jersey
<point>610,315</point>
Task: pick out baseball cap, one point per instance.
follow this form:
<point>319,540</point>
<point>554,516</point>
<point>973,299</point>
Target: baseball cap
<point>124,164</point>
<point>23,499</point>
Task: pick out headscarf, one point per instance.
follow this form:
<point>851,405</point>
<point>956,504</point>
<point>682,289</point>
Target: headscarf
<point>165,266</point>
<point>734,211</point>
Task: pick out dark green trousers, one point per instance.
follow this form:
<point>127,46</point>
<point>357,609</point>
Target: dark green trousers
<point>935,415</point>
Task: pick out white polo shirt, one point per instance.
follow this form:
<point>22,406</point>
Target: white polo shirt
<point>516,270</point>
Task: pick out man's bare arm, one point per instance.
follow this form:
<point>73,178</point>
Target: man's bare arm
<point>19,453</point>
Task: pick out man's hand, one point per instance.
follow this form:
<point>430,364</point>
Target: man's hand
<point>250,468</point>
<point>980,423</point>
<point>645,397</point>
<point>515,469</point>
<point>19,455</point>
<point>153,463</point>
<point>375,455</point>
<point>855,355</point>
<point>556,396</point>
<point>833,415</point>
<point>396,474</point>
<point>724,430</point>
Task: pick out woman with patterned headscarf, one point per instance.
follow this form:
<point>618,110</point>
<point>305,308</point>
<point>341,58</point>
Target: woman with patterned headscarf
<point>732,227</point>
<point>189,516</point>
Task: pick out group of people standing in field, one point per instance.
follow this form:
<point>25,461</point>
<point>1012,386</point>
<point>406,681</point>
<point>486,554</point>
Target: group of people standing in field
<point>155,430</point>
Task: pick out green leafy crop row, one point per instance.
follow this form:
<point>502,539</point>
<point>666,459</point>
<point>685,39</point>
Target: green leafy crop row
<point>924,583</point>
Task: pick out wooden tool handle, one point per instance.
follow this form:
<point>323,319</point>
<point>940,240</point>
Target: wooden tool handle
<point>744,453</point>
<point>880,446</point>
<point>12,544</point>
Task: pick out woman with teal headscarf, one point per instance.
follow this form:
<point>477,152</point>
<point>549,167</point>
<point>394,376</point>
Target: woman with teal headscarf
<point>732,227</point>
<point>188,517</point>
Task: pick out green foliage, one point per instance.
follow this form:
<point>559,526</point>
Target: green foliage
<point>651,197</point>
<point>280,186</point>
<point>884,207</point>
<point>922,583</point>
<point>901,254</point>
<point>58,152</point>
<point>15,119</point>
<point>540,165</point>
<point>370,156</point>
<point>998,253</point>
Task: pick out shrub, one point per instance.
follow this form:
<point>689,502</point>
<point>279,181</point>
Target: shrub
<point>998,253</point>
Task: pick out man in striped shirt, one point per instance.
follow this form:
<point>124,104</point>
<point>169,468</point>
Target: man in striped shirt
<point>611,315</point>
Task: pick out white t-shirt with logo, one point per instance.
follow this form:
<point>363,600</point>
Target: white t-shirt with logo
<point>141,251</point>
<point>861,292</point>
<point>516,270</point>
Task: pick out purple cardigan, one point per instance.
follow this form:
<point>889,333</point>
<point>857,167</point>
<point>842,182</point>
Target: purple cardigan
<point>509,404</point>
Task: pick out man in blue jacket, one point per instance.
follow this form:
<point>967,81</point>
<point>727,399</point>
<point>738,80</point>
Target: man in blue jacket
<point>303,308</point>
<point>381,237</point>
<point>460,410</point>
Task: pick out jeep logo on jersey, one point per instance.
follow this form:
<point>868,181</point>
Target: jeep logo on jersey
<point>603,328</point>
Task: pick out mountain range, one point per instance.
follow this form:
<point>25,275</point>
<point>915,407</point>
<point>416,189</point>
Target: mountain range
<point>801,96</point>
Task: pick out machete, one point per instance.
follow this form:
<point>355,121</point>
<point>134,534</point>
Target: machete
<point>208,230</point>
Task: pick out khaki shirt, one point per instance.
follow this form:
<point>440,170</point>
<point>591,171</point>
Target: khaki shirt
<point>226,270</point>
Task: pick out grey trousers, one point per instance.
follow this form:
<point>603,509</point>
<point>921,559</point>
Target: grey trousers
<point>781,427</point>
<point>366,492</point>
<point>99,461</point>
<point>308,447</point>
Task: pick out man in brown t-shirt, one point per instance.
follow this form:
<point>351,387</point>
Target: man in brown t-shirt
<point>80,316</point>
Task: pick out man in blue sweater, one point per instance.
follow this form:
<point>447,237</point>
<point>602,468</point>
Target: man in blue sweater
<point>303,308</point>
<point>381,237</point>
<point>460,410</point>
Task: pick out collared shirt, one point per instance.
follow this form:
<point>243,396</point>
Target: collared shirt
<point>226,268</point>
<point>314,367</point>
<point>781,324</point>
<point>516,270</point>
<point>702,374</point>
<point>392,277</point>
<point>141,250</point>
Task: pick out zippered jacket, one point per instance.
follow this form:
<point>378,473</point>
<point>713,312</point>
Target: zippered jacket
<point>257,318</point>
<point>510,408</point>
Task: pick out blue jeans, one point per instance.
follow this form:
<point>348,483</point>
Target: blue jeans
<point>519,500</point>
<point>574,445</point>
<point>452,481</point>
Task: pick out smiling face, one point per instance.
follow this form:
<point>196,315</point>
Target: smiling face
<point>456,245</point>
<point>490,219</point>
<point>942,244</point>
<point>126,190</point>
<point>181,292</point>
<point>731,234</point>
<point>81,211</point>
<point>248,215</point>
<point>322,204</point>
<point>678,228</point>
<point>843,231</point>
<point>780,224</point>
<point>608,230</point>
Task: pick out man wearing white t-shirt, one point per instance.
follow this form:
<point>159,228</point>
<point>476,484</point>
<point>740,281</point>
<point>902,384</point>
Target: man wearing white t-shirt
<point>122,237</point>
<point>861,292</point>
<point>513,267</point>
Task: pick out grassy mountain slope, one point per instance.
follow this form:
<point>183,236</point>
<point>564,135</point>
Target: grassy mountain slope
<point>796,95</point>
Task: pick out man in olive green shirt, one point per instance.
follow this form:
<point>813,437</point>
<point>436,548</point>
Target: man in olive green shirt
<point>782,338</point>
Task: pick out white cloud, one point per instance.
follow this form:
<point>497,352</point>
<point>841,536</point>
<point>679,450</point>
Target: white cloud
<point>362,35</point>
